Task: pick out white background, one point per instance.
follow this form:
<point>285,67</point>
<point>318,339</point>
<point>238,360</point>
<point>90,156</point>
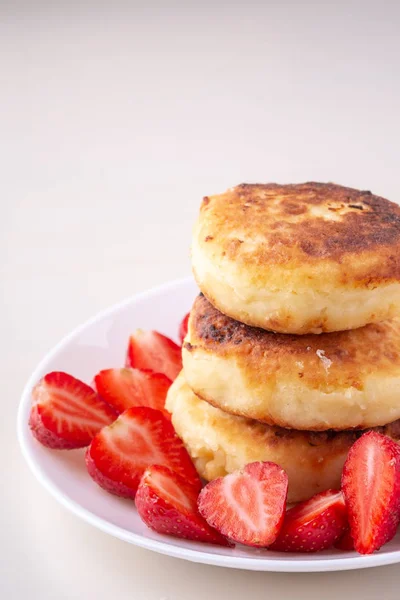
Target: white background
<point>115,119</point>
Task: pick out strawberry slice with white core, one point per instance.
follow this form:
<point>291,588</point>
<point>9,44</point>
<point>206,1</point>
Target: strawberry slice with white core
<point>150,350</point>
<point>183,327</point>
<point>247,506</point>
<point>141,436</point>
<point>168,505</point>
<point>124,388</point>
<point>371,486</point>
<point>66,413</point>
<point>313,525</point>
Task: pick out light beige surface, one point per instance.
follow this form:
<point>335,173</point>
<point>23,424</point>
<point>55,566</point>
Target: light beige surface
<point>114,123</point>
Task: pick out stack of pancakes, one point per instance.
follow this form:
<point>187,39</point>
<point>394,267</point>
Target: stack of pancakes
<point>293,347</point>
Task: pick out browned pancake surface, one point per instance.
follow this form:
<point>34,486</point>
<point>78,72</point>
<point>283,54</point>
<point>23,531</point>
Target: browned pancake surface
<point>327,362</point>
<point>300,224</point>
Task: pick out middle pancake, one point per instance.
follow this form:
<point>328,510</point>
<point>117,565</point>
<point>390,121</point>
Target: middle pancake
<point>341,380</point>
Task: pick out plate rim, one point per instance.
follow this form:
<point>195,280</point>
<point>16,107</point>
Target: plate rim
<point>161,547</point>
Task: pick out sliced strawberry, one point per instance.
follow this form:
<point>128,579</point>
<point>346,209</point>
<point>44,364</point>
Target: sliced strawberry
<point>141,436</point>
<point>313,525</point>
<point>247,506</point>
<point>345,542</point>
<point>67,413</point>
<point>124,388</point>
<point>168,505</point>
<point>183,327</point>
<point>371,486</point>
<point>153,351</point>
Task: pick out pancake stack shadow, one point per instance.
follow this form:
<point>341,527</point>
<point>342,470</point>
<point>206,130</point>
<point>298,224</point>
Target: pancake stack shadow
<point>293,346</point>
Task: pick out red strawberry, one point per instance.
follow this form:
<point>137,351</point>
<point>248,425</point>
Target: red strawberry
<point>247,506</point>
<point>153,351</point>
<point>371,486</point>
<point>345,542</point>
<point>167,504</point>
<point>183,327</point>
<point>67,413</point>
<point>124,388</point>
<point>313,525</point>
<point>141,436</point>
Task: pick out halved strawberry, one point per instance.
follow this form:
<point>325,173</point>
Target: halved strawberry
<point>345,542</point>
<point>371,486</point>
<point>67,413</point>
<point>313,525</point>
<point>153,351</point>
<point>141,436</point>
<point>183,327</point>
<point>168,504</point>
<point>124,388</point>
<point>247,506</point>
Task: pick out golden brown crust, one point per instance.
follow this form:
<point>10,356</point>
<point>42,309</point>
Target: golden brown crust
<point>300,224</point>
<point>327,361</point>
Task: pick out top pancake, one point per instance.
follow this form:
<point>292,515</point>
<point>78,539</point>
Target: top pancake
<point>303,258</point>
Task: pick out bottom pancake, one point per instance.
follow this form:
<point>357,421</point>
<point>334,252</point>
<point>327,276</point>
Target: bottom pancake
<point>219,443</point>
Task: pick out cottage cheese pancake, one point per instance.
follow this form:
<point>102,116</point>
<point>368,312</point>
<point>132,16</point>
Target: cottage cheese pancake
<point>220,443</point>
<point>304,258</point>
<point>341,380</point>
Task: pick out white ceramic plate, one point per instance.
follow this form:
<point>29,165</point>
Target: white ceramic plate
<point>100,344</point>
